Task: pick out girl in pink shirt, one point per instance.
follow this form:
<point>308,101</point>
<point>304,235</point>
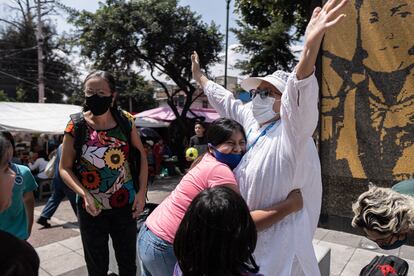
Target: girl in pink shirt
<point>227,144</point>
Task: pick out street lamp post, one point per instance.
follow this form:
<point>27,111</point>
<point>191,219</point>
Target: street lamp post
<point>227,43</point>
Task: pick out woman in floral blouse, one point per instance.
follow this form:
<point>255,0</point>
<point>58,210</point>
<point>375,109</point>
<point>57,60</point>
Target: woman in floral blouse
<point>107,200</point>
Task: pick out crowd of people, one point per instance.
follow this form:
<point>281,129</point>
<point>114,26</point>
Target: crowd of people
<point>248,205</point>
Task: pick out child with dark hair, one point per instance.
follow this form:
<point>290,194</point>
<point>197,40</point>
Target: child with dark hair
<point>7,175</point>
<point>17,256</point>
<point>17,219</point>
<point>216,237</point>
<point>226,146</point>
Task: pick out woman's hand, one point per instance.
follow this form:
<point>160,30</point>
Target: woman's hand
<point>295,200</point>
<point>323,18</point>
<point>195,67</point>
<point>139,203</point>
<point>91,205</point>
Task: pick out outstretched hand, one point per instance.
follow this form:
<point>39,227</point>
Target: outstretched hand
<point>195,67</point>
<point>324,18</point>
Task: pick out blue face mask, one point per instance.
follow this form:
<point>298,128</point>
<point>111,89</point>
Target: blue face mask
<point>230,159</point>
<point>395,245</point>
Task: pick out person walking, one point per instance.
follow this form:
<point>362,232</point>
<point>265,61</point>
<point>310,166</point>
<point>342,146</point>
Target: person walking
<point>18,218</point>
<point>60,191</point>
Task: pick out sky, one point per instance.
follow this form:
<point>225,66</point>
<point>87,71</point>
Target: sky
<point>210,10</point>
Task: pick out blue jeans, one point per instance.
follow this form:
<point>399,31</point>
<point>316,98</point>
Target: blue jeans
<point>59,193</point>
<point>156,255</point>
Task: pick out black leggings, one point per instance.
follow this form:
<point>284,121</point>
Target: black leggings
<point>95,232</point>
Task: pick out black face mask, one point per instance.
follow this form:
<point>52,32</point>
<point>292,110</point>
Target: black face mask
<point>98,105</point>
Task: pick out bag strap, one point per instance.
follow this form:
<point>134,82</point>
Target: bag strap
<point>79,124</point>
<point>123,123</point>
<point>133,155</point>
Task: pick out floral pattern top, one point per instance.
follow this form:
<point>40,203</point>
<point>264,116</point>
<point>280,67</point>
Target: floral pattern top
<point>103,168</point>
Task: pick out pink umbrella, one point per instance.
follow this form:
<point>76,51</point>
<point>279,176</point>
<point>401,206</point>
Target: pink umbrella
<point>165,113</point>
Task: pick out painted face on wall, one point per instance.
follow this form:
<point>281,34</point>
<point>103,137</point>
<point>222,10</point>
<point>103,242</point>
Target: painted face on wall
<point>390,46</point>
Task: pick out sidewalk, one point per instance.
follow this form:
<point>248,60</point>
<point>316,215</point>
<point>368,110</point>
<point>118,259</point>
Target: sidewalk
<point>60,247</point>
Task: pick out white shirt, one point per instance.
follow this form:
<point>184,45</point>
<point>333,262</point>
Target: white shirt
<point>284,159</point>
<point>40,164</point>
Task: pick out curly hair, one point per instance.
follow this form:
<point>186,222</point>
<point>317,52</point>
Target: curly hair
<point>384,210</point>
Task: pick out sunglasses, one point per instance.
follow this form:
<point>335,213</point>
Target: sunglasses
<point>264,93</point>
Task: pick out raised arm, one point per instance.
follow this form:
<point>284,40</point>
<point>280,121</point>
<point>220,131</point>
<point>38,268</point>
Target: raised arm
<point>299,110</point>
<point>220,98</point>
<point>322,19</point>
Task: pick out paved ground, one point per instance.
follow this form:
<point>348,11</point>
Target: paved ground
<point>60,248</point>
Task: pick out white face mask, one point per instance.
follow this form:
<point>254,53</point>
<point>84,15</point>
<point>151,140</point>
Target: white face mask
<point>263,109</point>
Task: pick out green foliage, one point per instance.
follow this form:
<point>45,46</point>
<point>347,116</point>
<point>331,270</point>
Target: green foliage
<point>132,87</point>
<point>20,93</point>
<point>4,97</point>
<point>156,34</point>
<point>18,58</point>
<point>266,30</point>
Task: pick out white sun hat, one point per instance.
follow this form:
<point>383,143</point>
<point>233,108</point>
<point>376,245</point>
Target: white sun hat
<point>278,79</point>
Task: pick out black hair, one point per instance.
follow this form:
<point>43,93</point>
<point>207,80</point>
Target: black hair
<point>18,257</point>
<point>9,137</point>
<point>42,154</point>
<point>219,132</point>
<point>106,76</point>
<point>5,145</point>
<point>222,129</point>
<point>217,235</point>
<point>198,122</point>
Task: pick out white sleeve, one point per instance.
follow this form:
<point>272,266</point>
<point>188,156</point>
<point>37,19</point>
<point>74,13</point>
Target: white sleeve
<point>299,109</point>
<point>299,115</point>
<point>225,104</point>
<point>35,165</point>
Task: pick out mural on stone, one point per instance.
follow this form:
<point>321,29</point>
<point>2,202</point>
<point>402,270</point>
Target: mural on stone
<point>368,92</point>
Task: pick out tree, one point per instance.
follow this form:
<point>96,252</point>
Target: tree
<point>4,97</point>
<point>156,34</point>
<point>266,31</point>
<point>18,57</point>
<point>135,92</point>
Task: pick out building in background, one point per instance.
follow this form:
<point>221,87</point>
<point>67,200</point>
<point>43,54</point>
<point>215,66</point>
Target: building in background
<point>201,100</point>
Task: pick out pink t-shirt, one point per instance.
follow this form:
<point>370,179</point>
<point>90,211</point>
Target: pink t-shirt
<point>166,218</point>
